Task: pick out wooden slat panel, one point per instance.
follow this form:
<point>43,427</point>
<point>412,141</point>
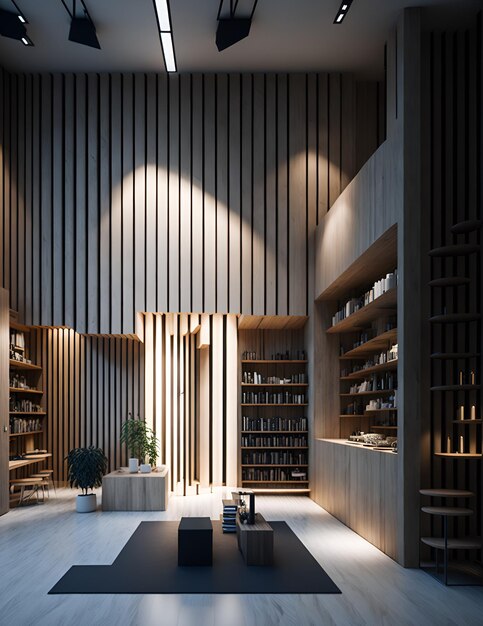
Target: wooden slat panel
<point>46,200</point>
<point>209,195</point>
<point>271,208</point>
<point>4,395</point>
<point>258,195</point>
<point>282,196</point>
<point>334,109</point>
<point>185,195</point>
<point>234,195</point>
<point>127,234</point>
<point>104,166</point>
<point>162,193</point>
<point>151,193</point>
<point>92,186</point>
<point>139,192</point>
<point>21,230</point>
<point>217,408</point>
<point>197,195</point>
<point>116,207</point>
<point>80,320</point>
<point>246,194</point>
<point>222,206</point>
<point>69,199</point>
<point>173,199</point>
<point>231,408</point>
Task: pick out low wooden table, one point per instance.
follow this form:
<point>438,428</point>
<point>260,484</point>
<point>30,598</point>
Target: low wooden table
<point>255,541</point>
<point>122,491</point>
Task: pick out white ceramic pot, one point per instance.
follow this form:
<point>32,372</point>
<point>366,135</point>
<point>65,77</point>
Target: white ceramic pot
<point>133,466</point>
<point>86,504</point>
<point>145,468</point>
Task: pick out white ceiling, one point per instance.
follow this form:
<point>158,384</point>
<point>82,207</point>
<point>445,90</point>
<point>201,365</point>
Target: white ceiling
<point>286,35</point>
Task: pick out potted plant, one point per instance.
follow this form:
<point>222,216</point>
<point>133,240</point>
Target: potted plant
<point>141,443</point>
<point>85,469</point>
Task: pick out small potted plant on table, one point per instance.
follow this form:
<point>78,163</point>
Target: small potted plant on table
<point>85,469</point>
<point>141,443</point>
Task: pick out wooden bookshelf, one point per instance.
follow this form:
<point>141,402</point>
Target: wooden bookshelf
<point>367,314</point>
<point>271,431</point>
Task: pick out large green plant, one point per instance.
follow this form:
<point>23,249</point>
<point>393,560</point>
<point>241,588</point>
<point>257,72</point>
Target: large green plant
<point>86,467</point>
<point>140,440</point>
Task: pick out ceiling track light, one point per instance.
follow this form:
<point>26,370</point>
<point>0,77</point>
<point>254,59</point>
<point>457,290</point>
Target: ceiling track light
<point>342,12</point>
<point>232,29</point>
<point>163,17</point>
<point>82,29</point>
<point>13,27</point>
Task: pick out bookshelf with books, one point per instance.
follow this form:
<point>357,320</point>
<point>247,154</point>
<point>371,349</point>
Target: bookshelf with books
<point>26,411</point>
<point>274,441</point>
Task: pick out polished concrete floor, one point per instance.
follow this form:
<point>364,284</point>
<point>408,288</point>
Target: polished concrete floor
<point>39,543</point>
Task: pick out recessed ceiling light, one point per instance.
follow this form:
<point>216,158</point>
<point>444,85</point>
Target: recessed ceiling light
<point>165,34</point>
<point>162,11</point>
<point>21,18</point>
<point>342,12</point>
<point>168,51</point>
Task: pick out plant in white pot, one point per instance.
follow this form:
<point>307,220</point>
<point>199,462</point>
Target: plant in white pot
<point>85,469</point>
<point>141,443</point>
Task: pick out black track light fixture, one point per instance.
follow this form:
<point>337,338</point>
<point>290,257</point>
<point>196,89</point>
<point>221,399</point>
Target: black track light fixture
<point>82,28</point>
<point>232,28</point>
<point>11,26</point>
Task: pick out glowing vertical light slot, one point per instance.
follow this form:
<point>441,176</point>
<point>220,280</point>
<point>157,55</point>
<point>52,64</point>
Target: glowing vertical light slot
<point>168,50</point>
<point>163,15</point>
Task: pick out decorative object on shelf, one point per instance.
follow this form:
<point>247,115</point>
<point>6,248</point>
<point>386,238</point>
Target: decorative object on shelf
<point>133,465</point>
<point>242,511</point>
<point>85,469</point>
<point>141,443</point>
<point>145,468</point>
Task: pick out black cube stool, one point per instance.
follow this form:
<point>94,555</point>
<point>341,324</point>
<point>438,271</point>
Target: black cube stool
<point>195,541</point>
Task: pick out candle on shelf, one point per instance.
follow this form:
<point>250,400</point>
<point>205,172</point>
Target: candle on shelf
<point>472,378</point>
<point>462,412</point>
<point>473,412</point>
<point>461,377</point>
<point>448,445</point>
<point>462,445</point>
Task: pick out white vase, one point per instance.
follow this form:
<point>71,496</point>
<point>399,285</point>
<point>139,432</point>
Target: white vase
<point>145,468</point>
<point>86,503</point>
<point>133,466</point>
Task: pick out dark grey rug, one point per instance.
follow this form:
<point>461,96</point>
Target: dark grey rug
<point>148,563</point>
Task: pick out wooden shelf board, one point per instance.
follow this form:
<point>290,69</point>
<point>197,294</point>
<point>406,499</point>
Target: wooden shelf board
<point>453,544</point>
<point>455,388</point>
<point>384,427</point>
<point>33,432</point>
<point>275,432</point>
<point>274,447</point>
<point>358,415</point>
<point>369,393</point>
<point>20,365</point>
<point>21,390</point>
<point>467,226</point>
<point>458,455</point>
<point>467,421</point>
<point>454,250</point>
<point>454,318</point>
<point>368,313</point>
<point>270,404</point>
<point>271,322</point>
<point>381,410</point>
<point>274,384</point>
<point>383,367</point>
<point>448,511</point>
<point>13,465</point>
<point>450,281</point>
<point>373,345</point>
<point>277,482</point>
<point>285,361</point>
<point>455,355</point>
<point>18,326</point>
<point>27,413</point>
<point>274,491</point>
<point>446,493</point>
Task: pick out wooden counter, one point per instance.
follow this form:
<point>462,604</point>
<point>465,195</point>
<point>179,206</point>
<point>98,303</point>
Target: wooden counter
<point>122,491</point>
<point>33,458</point>
<point>358,486</point>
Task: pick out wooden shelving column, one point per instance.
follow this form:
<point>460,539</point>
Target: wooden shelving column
<point>26,420</point>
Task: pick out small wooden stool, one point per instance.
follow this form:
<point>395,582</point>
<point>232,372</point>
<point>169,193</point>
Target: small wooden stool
<point>45,479</point>
<point>50,477</point>
<point>33,486</point>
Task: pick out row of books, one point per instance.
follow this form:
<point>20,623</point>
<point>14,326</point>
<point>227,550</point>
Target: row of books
<point>277,441</point>
<point>290,424</point>
<point>376,383</point>
<point>255,378</point>
<point>228,522</point>
<point>17,339</point>
<point>18,425</point>
<point>274,474</point>
<point>265,397</point>
<point>23,406</point>
<point>283,457</point>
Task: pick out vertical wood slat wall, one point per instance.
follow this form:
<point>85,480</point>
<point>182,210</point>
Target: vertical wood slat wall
<point>453,191</point>
<point>190,397</point>
<point>90,386</point>
<point>128,193</point>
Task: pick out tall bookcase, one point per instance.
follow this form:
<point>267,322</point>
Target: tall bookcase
<point>274,427</point>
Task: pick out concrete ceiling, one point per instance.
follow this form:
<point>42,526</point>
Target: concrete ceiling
<point>286,35</point>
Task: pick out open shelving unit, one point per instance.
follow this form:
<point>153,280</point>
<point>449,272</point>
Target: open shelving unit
<point>274,434</point>
<point>26,413</point>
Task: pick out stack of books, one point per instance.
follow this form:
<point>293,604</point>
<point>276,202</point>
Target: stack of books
<point>229,516</point>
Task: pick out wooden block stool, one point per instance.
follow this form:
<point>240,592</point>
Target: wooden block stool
<point>33,485</point>
<point>50,478</point>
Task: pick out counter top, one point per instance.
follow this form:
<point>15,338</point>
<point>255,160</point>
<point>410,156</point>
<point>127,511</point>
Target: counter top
<point>351,444</point>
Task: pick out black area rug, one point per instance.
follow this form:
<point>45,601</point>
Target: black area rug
<point>148,563</point>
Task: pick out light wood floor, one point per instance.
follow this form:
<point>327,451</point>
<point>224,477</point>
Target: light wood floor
<point>38,544</point>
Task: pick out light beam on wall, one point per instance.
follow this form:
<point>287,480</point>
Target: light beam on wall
<point>165,34</point>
